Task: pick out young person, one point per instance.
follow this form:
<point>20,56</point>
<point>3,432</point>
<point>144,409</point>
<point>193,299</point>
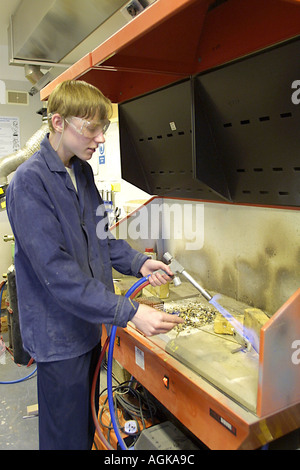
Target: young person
<point>64,269</point>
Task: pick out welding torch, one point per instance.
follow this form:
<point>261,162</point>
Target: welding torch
<point>177,268</point>
<point>238,332</point>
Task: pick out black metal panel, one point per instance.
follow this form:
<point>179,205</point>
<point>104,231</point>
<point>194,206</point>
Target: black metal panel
<point>254,125</point>
<point>156,143</point>
<point>207,158</point>
<point>231,133</point>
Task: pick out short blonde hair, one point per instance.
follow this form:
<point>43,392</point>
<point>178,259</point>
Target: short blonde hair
<point>78,98</point>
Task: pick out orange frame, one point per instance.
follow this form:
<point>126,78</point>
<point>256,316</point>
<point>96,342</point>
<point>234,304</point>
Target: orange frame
<point>214,418</point>
<point>174,39</point>
<point>279,369</point>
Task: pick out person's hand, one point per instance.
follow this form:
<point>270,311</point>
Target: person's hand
<point>160,273</point>
<point>153,322</point>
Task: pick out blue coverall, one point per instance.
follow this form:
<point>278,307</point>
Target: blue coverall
<point>64,271</point>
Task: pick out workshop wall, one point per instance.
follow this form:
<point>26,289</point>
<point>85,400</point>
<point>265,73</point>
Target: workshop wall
<point>248,253</point>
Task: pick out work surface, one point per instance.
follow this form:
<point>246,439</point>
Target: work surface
<point>212,357</point>
<point>217,358</point>
<point>196,366</point>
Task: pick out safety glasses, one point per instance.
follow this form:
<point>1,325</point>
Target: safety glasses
<point>89,129</point>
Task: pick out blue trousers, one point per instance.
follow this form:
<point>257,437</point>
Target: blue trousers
<point>64,400</point>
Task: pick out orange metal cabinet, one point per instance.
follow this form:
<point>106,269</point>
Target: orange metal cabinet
<point>173,40</point>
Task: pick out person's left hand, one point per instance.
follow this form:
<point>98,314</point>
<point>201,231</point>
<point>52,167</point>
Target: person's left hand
<point>160,273</point>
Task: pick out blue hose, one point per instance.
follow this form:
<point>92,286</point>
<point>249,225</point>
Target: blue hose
<point>19,380</point>
<point>129,293</point>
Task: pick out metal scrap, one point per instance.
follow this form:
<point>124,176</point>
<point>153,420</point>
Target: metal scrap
<point>195,314</point>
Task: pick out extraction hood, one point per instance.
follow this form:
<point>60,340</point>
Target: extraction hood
<point>230,133</point>
<point>47,31</point>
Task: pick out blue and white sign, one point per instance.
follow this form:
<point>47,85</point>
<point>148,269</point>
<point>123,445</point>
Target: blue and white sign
<point>101,148</point>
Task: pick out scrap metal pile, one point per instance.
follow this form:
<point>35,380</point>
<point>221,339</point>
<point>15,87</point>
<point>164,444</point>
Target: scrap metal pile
<point>194,312</point>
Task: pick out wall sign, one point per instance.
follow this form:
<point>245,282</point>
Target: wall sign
<point>9,135</point>
<point>101,154</point>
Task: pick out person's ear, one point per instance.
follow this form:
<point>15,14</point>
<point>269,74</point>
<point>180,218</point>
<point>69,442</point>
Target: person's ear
<point>58,123</point>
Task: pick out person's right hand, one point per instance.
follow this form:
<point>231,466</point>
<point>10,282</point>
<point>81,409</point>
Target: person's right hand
<point>153,322</point>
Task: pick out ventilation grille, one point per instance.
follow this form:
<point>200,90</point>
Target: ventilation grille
<point>169,165</point>
<point>275,177</point>
<point>17,97</point>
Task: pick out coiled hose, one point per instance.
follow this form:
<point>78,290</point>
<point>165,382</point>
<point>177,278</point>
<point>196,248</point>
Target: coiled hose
<point>110,341</point>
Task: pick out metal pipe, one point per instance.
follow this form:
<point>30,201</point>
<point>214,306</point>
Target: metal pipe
<point>195,284</point>
<point>9,163</point>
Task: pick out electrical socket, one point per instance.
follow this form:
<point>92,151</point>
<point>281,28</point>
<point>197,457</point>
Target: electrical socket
<point>130,427</point>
